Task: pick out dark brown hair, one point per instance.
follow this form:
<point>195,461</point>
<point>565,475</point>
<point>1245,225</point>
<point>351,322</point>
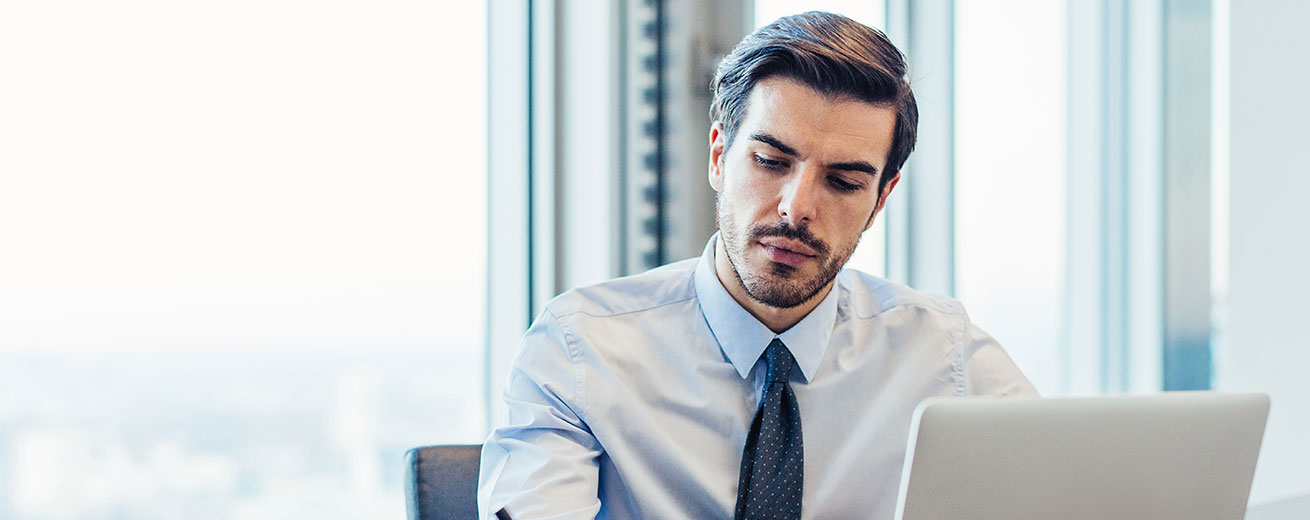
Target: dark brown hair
<point>832,54</point>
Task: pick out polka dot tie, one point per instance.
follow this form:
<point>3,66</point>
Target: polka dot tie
<point>772,466</point>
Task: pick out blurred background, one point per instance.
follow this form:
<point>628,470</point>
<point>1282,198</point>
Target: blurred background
<point>251,252</point>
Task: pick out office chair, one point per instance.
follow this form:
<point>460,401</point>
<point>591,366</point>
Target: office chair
<point>441,482</point>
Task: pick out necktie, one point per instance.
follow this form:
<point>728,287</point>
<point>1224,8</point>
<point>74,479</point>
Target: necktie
<point>773,463</point>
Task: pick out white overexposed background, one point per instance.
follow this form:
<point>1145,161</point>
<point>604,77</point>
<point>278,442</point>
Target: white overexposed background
<point>242,254</point>
<point>1010,175</point>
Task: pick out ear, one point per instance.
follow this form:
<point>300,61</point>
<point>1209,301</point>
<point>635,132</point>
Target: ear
<point>717,145</point>
<point>882,198</point>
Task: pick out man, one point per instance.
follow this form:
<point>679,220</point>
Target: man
<point>760,380</point>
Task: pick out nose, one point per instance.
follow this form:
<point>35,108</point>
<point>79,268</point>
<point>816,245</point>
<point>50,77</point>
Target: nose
<point>800,198</point>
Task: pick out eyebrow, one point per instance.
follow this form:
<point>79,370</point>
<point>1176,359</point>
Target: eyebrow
<point>774,142</point>
<point>859,166</point>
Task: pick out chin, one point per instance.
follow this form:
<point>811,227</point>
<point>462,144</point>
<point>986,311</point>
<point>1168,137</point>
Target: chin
<point>780,286</point>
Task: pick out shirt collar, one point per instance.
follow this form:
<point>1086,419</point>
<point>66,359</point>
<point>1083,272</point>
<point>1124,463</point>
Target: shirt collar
<point>743,338</point>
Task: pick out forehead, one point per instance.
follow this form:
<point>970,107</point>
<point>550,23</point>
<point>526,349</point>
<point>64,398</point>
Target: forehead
<point>836,128</point>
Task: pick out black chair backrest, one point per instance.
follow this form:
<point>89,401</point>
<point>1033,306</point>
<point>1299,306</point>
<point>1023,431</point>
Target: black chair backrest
<point>441,482</point>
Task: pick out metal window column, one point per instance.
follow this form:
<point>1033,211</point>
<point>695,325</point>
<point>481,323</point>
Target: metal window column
<point>921,214</point>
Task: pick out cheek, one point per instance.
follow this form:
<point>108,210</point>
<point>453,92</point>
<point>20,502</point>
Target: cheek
<point>756,195</point>
<point>856,216</point>
<point>848,221</point>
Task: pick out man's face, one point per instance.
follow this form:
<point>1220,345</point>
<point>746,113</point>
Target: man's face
<point>797,187</point>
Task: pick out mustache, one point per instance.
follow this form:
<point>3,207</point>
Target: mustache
<point>782,229</point>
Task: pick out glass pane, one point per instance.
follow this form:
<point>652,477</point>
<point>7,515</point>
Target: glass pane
<point>1010,176</point>
<point>870,255</point>
<point>243,254</point>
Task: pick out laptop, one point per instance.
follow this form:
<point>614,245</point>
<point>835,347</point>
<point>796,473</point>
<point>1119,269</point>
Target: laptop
<point>1172,456</point>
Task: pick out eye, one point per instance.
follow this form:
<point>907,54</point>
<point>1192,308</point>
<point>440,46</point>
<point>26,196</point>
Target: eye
<point>769,164</point>
<point>842,185</point>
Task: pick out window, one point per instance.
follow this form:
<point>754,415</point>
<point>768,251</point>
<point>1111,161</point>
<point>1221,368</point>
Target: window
<point>1010,177</point>
<point>242,254</point>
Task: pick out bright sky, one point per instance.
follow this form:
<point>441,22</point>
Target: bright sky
<point>178,173</point>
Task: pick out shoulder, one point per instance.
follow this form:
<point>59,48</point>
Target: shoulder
<point>665,285</point>
<point>867,296</point>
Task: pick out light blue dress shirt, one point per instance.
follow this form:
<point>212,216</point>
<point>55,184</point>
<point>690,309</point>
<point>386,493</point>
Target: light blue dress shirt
<point>633,398</point>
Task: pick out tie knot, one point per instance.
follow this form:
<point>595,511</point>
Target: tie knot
<point>779,362</point>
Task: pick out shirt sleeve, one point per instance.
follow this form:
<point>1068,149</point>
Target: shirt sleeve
<point>543,463</point>
<point>987,369</point>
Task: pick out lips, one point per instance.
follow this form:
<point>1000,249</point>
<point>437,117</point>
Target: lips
<point>786,244</point>
<point>787,252</point>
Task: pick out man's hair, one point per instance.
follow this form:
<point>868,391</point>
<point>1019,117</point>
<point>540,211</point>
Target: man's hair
<point>830,53</point>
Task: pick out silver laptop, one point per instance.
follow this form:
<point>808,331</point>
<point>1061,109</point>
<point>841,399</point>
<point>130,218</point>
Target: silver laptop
<point>1172,456</point>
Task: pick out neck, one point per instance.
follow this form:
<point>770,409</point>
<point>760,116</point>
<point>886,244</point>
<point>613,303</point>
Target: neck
<point>776,319</point>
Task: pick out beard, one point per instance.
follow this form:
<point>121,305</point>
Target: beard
<point>780,285</point>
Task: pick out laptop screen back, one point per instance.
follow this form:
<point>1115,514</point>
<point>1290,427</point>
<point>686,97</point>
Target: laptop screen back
<point>1187,455</point>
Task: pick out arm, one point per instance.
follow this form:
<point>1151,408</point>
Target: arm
<point>986,368</point>
<point>543,463</point>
